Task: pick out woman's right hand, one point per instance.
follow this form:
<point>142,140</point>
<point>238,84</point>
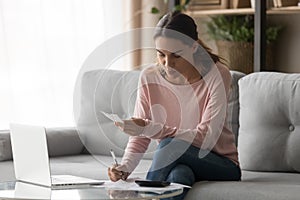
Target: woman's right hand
<point>115,174</point>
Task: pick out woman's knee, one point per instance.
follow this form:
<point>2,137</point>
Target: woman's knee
<point>182,174</point>
<point>163,151</point>
<point>164,142</point>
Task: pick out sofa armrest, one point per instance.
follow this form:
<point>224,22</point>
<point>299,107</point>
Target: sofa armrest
<point>61,141</point>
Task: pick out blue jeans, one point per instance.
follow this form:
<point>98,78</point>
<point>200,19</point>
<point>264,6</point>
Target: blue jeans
<point>178,161</point>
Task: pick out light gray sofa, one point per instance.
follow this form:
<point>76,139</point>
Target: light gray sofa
<point>264,113</point>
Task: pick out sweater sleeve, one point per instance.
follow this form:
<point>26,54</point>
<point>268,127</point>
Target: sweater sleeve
<point>137,145</point>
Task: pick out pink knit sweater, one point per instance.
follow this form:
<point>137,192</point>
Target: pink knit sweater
<point>194,112</point>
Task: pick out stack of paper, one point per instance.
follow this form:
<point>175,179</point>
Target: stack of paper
<point>131,185</point>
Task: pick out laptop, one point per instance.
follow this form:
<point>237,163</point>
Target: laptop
<point>31,160</point>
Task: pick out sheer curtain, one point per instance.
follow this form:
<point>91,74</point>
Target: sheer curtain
<point>42,46</point>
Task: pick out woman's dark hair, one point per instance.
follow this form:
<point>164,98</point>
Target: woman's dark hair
<point>176,21</point>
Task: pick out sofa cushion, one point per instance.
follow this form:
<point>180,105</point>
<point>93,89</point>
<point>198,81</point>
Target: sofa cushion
<point>112,92</point>
<point>233,104</point>
<point>63,141</point>
<point>254,186</point>
<point>269,134</point>
<point>107,91</point>
<point>92,166</point>
<point>5,146</point>
<point>85,165</point>
<point>7,171</point>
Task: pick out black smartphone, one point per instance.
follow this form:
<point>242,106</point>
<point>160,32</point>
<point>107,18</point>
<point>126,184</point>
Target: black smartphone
<point>148,183</point>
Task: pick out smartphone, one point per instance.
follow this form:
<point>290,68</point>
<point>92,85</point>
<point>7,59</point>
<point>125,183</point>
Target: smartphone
<point>148,183</point>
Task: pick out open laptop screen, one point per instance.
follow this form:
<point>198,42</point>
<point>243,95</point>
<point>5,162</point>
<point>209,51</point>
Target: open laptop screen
<point>30,154</point>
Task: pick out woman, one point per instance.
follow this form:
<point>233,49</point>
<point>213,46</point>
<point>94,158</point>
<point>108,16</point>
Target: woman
<point>182,103</point>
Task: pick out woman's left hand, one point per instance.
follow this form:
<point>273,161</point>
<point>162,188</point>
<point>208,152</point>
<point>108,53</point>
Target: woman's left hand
<point>133,126</point>
<point>138,121</point>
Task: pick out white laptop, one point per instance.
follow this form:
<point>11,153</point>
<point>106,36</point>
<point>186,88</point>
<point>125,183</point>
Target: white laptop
<point>31,160</point>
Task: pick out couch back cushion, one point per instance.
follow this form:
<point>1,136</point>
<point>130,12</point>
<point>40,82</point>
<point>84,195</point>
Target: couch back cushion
<point>63,141</point>
<point>115,92</point>
<point>107,91</point>
<point>233,104</point>
<point>269,134</point>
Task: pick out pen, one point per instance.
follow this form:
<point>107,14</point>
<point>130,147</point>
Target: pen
<point>114,156</point>
<point>116,162</point>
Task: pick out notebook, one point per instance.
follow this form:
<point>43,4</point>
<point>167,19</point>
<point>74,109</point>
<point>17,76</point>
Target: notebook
<point>31,160</point>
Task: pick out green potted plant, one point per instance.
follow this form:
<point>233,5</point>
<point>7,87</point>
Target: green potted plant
<point>179,5</point>
<point>234,36</point>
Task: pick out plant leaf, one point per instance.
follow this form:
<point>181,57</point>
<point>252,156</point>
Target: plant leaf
<point>154,10</point>
<point>238,28</point>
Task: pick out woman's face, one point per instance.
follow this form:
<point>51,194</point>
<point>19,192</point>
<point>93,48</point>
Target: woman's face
<point>176,58</point>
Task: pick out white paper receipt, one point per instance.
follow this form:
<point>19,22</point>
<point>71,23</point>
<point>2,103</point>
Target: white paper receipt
<point>113,117</point>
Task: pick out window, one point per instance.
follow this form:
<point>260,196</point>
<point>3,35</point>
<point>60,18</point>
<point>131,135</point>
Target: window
<point>43,44</point>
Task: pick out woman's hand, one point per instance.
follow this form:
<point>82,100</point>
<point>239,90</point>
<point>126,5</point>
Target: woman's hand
<point>116,174</point>
<point>133,126</point>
